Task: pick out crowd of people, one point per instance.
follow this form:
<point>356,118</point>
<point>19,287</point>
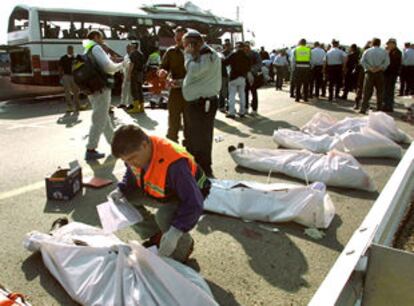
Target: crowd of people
<point>332,69</point>
<point>202,80</point>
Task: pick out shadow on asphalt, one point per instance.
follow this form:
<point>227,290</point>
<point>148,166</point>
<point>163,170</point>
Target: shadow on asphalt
<point>69,120</point>
<point>222,296</point>
<point>227,128</point>
<point>379,161</point>
<point>329,241</point>
<point>271,255</point>
<point>342,106</point>
<point>144,121</point>
<point>266,126</point>
<point>26,110</point>
<point>33,267</point>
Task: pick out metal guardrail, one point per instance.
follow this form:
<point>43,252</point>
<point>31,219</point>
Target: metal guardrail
<point>379,226</point>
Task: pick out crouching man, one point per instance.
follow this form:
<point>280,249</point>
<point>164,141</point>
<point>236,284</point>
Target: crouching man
<point>165,171</point>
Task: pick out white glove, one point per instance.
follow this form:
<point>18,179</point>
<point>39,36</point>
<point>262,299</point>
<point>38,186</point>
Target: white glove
<point>250,78</point>
<point>116,196</point>
<point>169,241</point>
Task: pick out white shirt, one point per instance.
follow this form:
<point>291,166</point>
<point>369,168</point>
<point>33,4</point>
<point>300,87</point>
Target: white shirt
<point>125,65</point>
<point>318,56</point>
<point>408,57</point>
<point>335,56</point>
<point>281,60</point>
<point>203,77</point>
<point>105,62</point>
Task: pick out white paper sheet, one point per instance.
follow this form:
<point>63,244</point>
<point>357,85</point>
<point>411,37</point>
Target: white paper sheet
<point>115,217</point>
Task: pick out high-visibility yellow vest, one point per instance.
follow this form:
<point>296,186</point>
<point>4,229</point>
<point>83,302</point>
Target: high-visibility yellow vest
<point>154,58</point>
<point>302,54</point>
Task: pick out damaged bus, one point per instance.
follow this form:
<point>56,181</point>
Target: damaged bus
<point>39,36</point>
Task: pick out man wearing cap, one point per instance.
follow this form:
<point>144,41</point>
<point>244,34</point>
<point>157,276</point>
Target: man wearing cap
<point>173,64</point>
<point>391,74</point>
<point>335,65</point>
<point>100,100</point>
<point>375,61</point>
<point>201,87</point>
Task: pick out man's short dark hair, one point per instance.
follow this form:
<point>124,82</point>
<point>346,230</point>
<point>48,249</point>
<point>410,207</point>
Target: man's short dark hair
<point>302,41</point>
<point>127,139</point>
<point>407,45</point>
<point>70,47</point>
<point>316,44</point>
<point>335,43</point>
<point>376,42</point>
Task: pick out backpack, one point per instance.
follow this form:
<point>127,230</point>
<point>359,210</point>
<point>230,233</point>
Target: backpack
<point>87,75</point>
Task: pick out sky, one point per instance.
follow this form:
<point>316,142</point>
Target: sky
<point>277,24</point>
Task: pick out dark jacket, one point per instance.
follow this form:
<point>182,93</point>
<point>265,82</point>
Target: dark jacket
<point>239,63</point>
<point>352,62</point>
<point>395,62</point>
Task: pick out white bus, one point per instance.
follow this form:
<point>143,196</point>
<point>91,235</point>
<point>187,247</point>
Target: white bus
<point>39,36</point>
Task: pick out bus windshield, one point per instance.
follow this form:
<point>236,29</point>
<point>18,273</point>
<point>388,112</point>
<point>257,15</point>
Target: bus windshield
<point>19,20</point>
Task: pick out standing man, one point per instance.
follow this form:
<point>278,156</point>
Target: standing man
<point>408,62</point>
<point>126,97</point>
<point>281,65</point>
<point>403,73</point>
<point>391,74</point>
<point>264,55</point>
<point>65,71</point>
<point>252,77</point>
<point>239,64</point>
<point>165,172</point>
<point>136,75</point>
<point>173,64</point>
<point>317,61</point>
<point>224,91</point>
<point>374,61</point>
<point>351,70</point>
<point>335,65</point>
<point>100,100</point>
<point>360,79</point>
<point>201,87</point>
<point>301,61</point>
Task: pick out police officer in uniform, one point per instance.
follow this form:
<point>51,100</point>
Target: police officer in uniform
<point>335,63</point>
<point>173,64</point>
<point>302,69</point>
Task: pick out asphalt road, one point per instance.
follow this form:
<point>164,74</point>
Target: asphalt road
<point>243,263</point>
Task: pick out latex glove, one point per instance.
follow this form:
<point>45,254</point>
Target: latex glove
<point>250,78</point>
<point>117,196</point>
<point>169,241</point>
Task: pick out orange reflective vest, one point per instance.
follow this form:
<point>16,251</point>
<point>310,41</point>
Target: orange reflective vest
<point>164,153</point>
